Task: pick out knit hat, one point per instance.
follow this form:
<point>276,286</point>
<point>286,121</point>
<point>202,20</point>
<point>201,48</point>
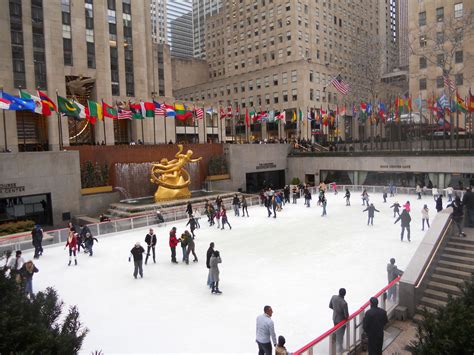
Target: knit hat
<point>137,244</point>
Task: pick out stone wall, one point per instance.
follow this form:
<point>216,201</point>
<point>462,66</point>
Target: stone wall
<point>95,204</point>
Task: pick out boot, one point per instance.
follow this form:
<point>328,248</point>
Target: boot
<point>69,263</point>
<point>75,261</point>
<point>216,289</point>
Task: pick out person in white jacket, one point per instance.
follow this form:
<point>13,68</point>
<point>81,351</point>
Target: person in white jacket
<point>425,217</point>
<point>449,193</point>
<point>435,193</point>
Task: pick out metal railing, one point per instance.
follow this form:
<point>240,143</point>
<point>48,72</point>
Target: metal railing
<point>352,327</point>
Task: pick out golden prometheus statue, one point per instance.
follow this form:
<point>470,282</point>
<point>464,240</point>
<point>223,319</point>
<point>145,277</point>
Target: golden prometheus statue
<point>171,177</point>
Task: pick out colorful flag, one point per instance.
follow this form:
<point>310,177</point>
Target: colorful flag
<point>448,83</point>
<point>47,101</point>
<point>199,113</point>
<point>471,101</point>
<point>271,116</point>
<point>83,111</point>
<point>124,114</point>
<point>340,85</point>
<point>25,95</point>
<point>460,104</point>
<point>108,111</point>
<point>253,115</point>
<point>95,111</point>
<point>159,111</point>
<point>300,115</point>
<point>170,112</point>
<point>281,116</point>
<point>68,108</point>
<point>293,119</point>
<point>136,111</point>
<point>4,104</point>
<point>181,113</point>
<point>147,108</point>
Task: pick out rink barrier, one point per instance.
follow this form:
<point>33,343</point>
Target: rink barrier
<point>101,229</point>
<point>326,342</point>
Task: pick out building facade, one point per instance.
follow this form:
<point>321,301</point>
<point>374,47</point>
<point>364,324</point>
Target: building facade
<point>201,10</point>
<point>403,47</point>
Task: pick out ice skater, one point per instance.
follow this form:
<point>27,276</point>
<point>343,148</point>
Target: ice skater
<point>435,193</point>
<point>72,244</point>
<point>192,224</point>
<point>244,206</point>
<point>439,203</point>
<point>224,218</point>
<point>137,254</point>
<point>189,208</point>
<point>173,242</point>
<point>418,191</point>
<point>425,217</point>
<point>334,188</point>
<point>236,205</point>
<point>209,253</point>
<point>384,196</point>
<point>189,242</point>
<point>295,195</point>
<point>406,219</point>
<point>150,240</point>
<point>217,215</point>
<point>89,243</point>
<point>396,209</point>
<point>407,206</point>
<point>27,271</point>
<point>365,198</point>
<point>392,189</point>
<point>159,217</point>
<point>371,211</point>
<point>214,270</point>
<point>211,213</point>
<point>81,238</point>
<point>449,192</point>
<point>347,196</point>
<point>324,203</point>
<point>308,197</point>
<point>37,240</point>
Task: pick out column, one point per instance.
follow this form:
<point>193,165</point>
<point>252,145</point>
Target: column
<point>264,131</point>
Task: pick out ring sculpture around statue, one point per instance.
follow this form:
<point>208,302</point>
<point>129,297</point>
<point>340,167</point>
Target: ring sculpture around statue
<point>171,177</point>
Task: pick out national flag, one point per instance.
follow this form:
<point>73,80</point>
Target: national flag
<point>124,114</point>
<point>280,116</point>
<point>222,113</point>
<point>418,103</point>
<point>363,107</point>
<point>147,108</point>
<point>68,108</point>
<point>471,101</point>
<point>108,111</point>
<point>17,104</point>
<point>262,116</point>
<point>443,102</point>
<point>340,85</point>
<point>159,110</point>
<point>136,111</point>
<point>448,83</point>
<point>25,95</point>
<point>199,113</point>
<point>229,111</point>
<point>460,104</point>
<point>300,115</point>
<point>83,113</point>
<point>181,113</point>
<point>293,119</point>
<point>271,116</point>
<point>253,115</point>
<point>408,104</point>
<point>95,111</point>
<point>170,112</point>
<point>382,113</point>
<point>47,101</point>
<point>4,104</point>
<point>247,119</point>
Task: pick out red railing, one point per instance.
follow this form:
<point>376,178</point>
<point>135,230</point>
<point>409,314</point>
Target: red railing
<point>344,322</point>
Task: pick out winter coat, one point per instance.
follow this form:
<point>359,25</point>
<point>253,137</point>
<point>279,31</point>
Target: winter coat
<point>339,307</point>
<point>189,209</point>
<point>405,218</point>
<point>392,272</point>
<point>89,241</point>
<point>150,240</point>
<point>223,214</point>
<point>418,189</point>
<point>425,213</point>
<point>72,241</point>
<point>84,231</point>
<point>214,267</point>
<point>396,207</point>
<point>137,253</point>
<point>209,253</point>
<point>375,320</point>
<point>457,209</point>
<point>28,272</point>
<point>173,240</point>
<point>192,223</point>
<point>407,207</point>
<point>236,201</point>
<point>347,195</point>
<point>439,204</point>
<point>244,202</point>
<point>36,236</point>
<point>468,200</point>
<point>371,210</point>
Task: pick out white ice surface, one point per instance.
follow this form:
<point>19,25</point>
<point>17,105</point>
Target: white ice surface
<point>294,263</point>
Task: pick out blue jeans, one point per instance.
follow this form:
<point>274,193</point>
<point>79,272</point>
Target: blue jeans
<point>138,268</point>
<point>236,210</point>
<point>29,287</point>
<point>184,252</point>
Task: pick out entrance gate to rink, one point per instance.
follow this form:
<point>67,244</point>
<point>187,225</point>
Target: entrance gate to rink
<point>326,342</point>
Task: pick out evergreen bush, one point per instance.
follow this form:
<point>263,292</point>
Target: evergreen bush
<point>16,227</point>
<point>295,181</point>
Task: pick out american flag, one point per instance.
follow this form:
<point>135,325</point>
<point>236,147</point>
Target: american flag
<point>199,113</point>
<point>159,111</point>
<point>340,85</point>
<point>449,84</point>
<point>124,114</point>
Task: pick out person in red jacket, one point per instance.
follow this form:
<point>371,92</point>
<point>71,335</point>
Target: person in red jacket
<point>72,244</point>
<point>173,243</point>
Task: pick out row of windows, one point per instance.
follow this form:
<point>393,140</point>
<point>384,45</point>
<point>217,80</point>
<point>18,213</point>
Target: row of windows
<point>458,80</point>
<point>441,60</point>
<point>458,12</point>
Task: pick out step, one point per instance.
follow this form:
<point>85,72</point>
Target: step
<point>465,240</point>
<point>429,309</point>
<point>464,275</point>
<point>457,258</point>
<point>448,279</point>
<point>430,302</point>
<point>460,251</point>
<point>469,268</point>
<point>443,287</point>
<point>460,245</point>
<point>436,295</point>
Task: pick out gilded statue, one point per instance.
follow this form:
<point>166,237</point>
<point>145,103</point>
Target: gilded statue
<point>171,177</point>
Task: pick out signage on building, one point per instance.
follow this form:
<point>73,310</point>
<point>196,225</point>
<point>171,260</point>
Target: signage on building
<point>11,188</point>
<point>265,166</point>
<point>395,166</point>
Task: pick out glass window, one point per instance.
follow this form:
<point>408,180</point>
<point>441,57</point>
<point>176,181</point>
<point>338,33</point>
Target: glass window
<point>458,9</point>
<point>275,79</point>
<point>294,76</point>
<point>439,38</point>
<point>284,78</point>
<point>275,97</point>
<point>422,84</point>
<point>459,56</point>
<point>440,14</point>
<point>439,82</point>
<point>423,41</point>
<point>294,95</point>
<point>459,79</point>
<point>422,18</point>
<point>440,60</point>
<point>423,62</point>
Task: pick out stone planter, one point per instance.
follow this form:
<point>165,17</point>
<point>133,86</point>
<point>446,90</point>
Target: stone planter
<point>96,190</point>
<point>218,177</point>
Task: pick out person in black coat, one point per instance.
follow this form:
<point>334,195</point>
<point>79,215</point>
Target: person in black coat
<point>89,243</point>
<point>209,253</point>
<point>371,211</point>
<point>396,209</point>
<point>468,202</point>
<point>189,209</point>
<point>439,203</point>
<point>137,253</point>
<point>406,219</point>
<point>150,241</point>
<point>457,215</point>
<point>192,224</point>
<point>81,238</point>
<point>37,239</point>
<point>374,322</point>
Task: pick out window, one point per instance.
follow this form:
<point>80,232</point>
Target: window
<point>67,51</point>
<point>275,97</point>
<point>423,62</point>
<point>311,94</point>
<point>439,82</point>
<point>439,38</point>
<point>275,79</point>
<point>284,78</point>
<point>459,79</point>
<point>440,14</point>
<point>458,34</point>
<point>285,96</point>
<point>310,76</point>
<point>422,18</point>
<point>458,56</point>
<point>294,95</point>
<point>267,99</point>
<point>440,60</point>
<point>267,81</point>
<point>294,76</point>
<point>458,9</point>
<point>257,84</point>
<point>422,84</point>
<point>250,85</point>
<point>91,55</point>
<point>288,51</point>
<point>423,41</point>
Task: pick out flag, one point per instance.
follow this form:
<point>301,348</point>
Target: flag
<point>159,111</point>
<point>418,103</point>
<point>247,120</point>
<point>124,114</point>
<point>4,104</point>
<point>47,101</point>
<point>448,83</point>
<point>222,113</point>
<point>107,111</point>
<point>147,108</point>
<point>229,111</point>
<point>293,119</point>
<point>25,95</point>
<point>300,115</point>
<point>181,113</point>
<point>68,108</point>
<point>17,104</point>
<point>83,113</point>
<point>95,111</point>
<point>460,104</point>
<point>271,116</point>
<point>408,104</point>
<point>281,116</point>
<point>136,111</point>
<point>253,115</point>
<point>443,102</point>
<point>382,111</point>
<point>170,112</point>
<point>471,101</point>
<point>199,113</point>
<point>340,85</point>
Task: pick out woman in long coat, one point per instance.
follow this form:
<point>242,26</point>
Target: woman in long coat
<point>214,271</point>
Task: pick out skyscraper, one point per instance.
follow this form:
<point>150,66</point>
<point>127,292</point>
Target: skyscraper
<point>201,10</point>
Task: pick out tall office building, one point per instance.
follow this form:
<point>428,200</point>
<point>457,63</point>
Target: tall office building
<point>404,48</point>
<point>389,34</point>
<point>201,10</point>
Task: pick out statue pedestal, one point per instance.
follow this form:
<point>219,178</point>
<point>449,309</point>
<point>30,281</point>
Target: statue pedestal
<point>165,194</point>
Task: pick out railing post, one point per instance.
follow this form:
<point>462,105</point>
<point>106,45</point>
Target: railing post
<point>332,344</point>
<point>348,335</point>
<point>115,226</point>
<point>131,223</point>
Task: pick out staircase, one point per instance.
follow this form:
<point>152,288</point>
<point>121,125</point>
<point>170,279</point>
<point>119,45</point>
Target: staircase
<point>454,267</point>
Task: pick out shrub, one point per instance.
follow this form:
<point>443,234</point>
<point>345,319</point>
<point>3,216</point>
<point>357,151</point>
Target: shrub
<point>295,181</point>
<point>217,165</point>
<point>93,175</point>
<point>16,227</point>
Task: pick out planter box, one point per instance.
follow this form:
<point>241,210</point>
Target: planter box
<point>218,177</point>
<point>96,190</point>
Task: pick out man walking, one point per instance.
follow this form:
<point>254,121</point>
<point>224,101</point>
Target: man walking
<point>137,253</point>
<point>265,332</point>
<point>374,322</point>
<point>392,274</point>
<point>340,312</point>
<point>406,219</point>
<point>150,241</point>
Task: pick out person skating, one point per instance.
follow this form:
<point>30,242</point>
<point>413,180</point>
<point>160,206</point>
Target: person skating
<point>396,209</point>
<point>244,206</point>
<point>295,195</point>
<point>374,323</point>
<point>324,203</point>
<point>159,217</point>
<point>407,206</point>
<point>218,202</point>
<point>211,213</point>
<point>189,209</point>
<point>217,215</point>
<point>286,193</point>
<point>265,332</point>
<point>173,242</point>
<point>224,218</point>
<point>392,189</point>
<point>189,242</point>
<point>435,193</point>
<point>406,219</point>
<point>197,217</point>
<point>192,224</point>
<point>89,243</point>
<point>371,212</point>
<point>457,215</point>
<point>439,203</point>
<point>81,238</point>
<point>150,240</point>
<point>392,273</point>
<point>137,254</point>
<point>425,217</point>
<point>308,197</point>
<point>214,270</point>
<point>340,312</point>
<point>27,271</point>
<point>384,196</point>
<point>236,205</point>
<point>305,195</point>
<point>209,253</point>
<point>365,198</point>
<point>37,239</point>
<point>449,193</point>
<point>72,244</point>
<point>334,187</point>
<point>347,196</point>
<point>418,191</point>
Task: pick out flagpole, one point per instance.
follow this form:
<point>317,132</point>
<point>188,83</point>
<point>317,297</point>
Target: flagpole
<point>60,128</point>
<point>154,122</point>
<point>164,118</point>
<point>103,123</point>
<point>23,126</point>
<point>194,123</point>
<point>143,133</point>
<point>5,130</point>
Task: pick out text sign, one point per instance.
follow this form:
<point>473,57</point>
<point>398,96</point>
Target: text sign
<point>10,188</point>
<point>265,166</point>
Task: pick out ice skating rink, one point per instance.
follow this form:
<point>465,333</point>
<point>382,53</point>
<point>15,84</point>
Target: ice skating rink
<point>294,263</point>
